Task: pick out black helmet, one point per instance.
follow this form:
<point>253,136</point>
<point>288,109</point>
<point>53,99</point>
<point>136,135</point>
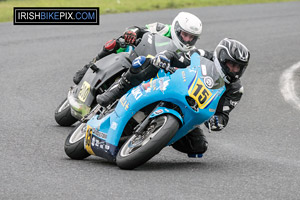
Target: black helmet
<point>231,52</point>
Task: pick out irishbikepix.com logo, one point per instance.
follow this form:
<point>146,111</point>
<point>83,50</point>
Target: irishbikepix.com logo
<point>56,16</point>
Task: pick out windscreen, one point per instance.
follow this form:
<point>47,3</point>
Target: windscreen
<point>163,43</point>
<point>210,74</point>
<point>152,44</point>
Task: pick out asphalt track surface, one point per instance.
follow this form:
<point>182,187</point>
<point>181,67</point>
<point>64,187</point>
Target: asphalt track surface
<point>257,156</point>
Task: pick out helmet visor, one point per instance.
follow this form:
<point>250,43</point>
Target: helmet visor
<point>235,70</point>
<point>184,36</point>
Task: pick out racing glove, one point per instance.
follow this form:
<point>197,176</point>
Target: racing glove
<point>130,37</point>
<point>161,61</point>
<point>214,124</point>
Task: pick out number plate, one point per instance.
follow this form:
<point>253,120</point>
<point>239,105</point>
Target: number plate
<point>84,91</point>
<point>88,140</point>
<point>200,93</point>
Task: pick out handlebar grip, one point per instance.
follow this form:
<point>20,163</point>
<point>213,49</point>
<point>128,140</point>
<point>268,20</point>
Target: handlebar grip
<point>123,44</point>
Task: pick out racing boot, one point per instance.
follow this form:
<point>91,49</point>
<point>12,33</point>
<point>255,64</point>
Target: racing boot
<point>80,73</point>
<point>194,144</point>
<point>116,91</point>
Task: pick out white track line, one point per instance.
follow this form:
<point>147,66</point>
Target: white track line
<point>287,86</point>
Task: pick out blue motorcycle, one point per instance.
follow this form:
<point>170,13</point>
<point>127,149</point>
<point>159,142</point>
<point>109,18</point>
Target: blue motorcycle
<point>149,117</point>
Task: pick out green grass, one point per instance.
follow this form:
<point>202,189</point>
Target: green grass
<point>117,6</point>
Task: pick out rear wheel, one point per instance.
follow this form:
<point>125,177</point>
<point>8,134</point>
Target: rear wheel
<point>138,149</point>
<point>74,144</point>
<point>63,114</point>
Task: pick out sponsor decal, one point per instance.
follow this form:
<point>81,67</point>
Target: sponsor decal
<point>158,112</point>
<point>209,82</point>
<point>233,103</point>
<point>114,126</point>
<point>93,141</point>
<point>163,84</point>
<point>124,103</point>
<point>183,76</point>
<point>204,70</point>
<point>146,87</point>
<point>153,84</point>
<point>101,145</point>
<point>99,134</point>
<point>137,93</point>
<point>226,108</point>
<point>97,143</point>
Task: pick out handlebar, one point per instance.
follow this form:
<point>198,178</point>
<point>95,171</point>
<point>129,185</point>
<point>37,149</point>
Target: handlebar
<point>123,44</point>
<point>170,69</point>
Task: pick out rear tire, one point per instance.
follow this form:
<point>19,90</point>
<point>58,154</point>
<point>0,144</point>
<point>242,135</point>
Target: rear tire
<point>63,114</point>
<point>74,144</point>
<point>139,149</point>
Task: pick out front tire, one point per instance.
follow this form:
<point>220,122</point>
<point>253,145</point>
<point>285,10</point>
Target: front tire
<point>63,114</point>
<point>138,149</point>
<point>74,144</point>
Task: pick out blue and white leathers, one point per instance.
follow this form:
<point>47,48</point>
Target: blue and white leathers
<point>196,90</point>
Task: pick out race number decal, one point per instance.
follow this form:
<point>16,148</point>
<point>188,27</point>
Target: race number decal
<point>200,93</point>
<point>84,91</point>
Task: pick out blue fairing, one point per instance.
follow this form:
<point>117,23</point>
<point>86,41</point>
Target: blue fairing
<point>192,82</point>
<point>162,111</point>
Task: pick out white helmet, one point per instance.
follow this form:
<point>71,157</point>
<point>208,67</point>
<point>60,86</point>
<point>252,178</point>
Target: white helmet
<point>186,29</point>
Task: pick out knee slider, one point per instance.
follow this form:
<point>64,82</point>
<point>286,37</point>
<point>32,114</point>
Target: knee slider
<point>111,45</point>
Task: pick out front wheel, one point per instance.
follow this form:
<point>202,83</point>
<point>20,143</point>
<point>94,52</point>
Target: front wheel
<point>63,114</point>
<point>138,149</point>
<point>74,144</point>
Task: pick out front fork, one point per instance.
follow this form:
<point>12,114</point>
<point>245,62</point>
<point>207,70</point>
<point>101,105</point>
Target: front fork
<point>138,130</point>
<point>157,111</point>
